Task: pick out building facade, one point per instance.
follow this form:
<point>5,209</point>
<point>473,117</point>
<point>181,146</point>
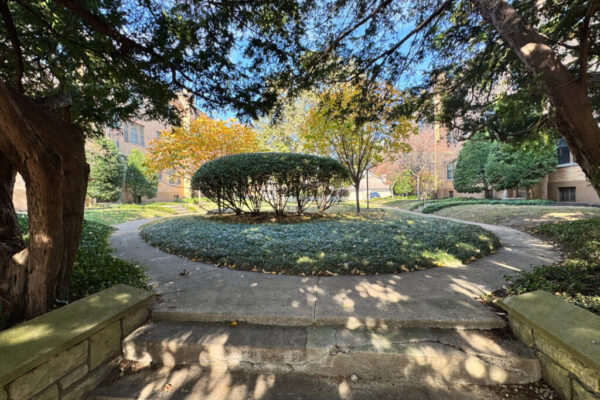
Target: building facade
<point>138,134</point>
<point>565,184</point>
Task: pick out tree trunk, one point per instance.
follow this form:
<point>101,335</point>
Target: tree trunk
<point>418,185</point>
<point>357,190</point>
<point>49,154</point>
<point>529,193</point>
<point>569,95</point>
<point>12,274</point>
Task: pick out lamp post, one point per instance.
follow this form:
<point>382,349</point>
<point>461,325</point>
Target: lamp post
<point>124,188</point>
<point>368,197</point>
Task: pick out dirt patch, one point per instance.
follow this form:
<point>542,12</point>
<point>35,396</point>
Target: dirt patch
<point>532,391</point>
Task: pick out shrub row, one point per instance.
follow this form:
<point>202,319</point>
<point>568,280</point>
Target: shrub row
<point>431,208</point>
<point>244,182</point>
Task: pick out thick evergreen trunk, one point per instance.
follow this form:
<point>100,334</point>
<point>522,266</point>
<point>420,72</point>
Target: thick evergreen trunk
<point>569,94</point>
<point>49,154</point>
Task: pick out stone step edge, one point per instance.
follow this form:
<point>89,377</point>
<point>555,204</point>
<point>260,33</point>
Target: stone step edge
<point>323,350</point>
<point>153,380</point>
<point>495,322</point>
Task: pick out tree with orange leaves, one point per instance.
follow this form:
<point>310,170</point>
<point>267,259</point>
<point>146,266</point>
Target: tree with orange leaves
<point>184,149</point>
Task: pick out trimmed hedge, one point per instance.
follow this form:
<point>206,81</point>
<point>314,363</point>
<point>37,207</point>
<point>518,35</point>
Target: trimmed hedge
<point>431,208</point>
<point>244,182</point>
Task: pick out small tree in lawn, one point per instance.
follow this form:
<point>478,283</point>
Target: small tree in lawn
<point>140,181</point>
<point>389,171</point>
<point>106,170</point>
<point>512,167</point>
<point>184,149</point>
<point>404,184</point>
<point>357,128</point>
<point>470,174</point>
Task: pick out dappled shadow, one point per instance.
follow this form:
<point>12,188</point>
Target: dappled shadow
<point>349,245</point>
<point>264,362</point>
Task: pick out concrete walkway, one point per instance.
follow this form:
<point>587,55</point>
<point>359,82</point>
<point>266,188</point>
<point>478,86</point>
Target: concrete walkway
<point>444,297</point>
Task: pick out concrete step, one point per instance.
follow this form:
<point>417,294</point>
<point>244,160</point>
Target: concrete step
<point>437,356</point>
<point>205,383</point>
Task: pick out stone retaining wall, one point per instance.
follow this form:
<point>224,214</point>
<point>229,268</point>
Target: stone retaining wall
<point>566,339</point>
<point>66,353</point>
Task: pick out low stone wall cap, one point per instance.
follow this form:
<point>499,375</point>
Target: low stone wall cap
<point>25,346</point>
<point>573,328</point>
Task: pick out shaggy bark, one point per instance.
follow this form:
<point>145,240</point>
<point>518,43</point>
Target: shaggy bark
<point>569,95</point>
<point>49,154</point>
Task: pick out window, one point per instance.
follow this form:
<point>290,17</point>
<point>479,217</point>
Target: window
<point>133,134</point>
<point>450,171</point>
<point>450,138</point>
<point>566,194</point>
<point>563,154</point>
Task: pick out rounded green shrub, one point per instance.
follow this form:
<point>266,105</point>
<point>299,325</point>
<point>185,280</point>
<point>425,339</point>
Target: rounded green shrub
<point>244,182</point>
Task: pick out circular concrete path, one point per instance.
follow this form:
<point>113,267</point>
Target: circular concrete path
<point>444,297</point>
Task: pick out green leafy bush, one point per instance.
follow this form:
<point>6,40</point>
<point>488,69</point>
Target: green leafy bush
<point>95,268</point>
<point>577,279</point>
<point>243,182</point>
<point>105,181</point>
<point>376,242</point>
<point>431,208</point>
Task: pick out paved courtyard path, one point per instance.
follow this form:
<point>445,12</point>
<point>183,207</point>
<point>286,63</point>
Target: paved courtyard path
<point>443,297</point>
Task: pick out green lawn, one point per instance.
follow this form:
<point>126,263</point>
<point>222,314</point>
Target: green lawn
<point>374,242</point>
<point>114,214</point>
<point>577,279</point>
<point>518,216</point>
<point>399,203</point>
<point>119,213</point>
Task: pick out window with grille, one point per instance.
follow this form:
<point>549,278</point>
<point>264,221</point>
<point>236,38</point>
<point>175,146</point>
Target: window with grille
<point>566,194</point>
<point>133,133</point>
<point>450,171</point>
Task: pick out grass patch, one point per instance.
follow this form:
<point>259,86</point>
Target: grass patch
<point>401,203</point>
<point>518,216</point>
<point>577,279</point>
<point>371,243</point>
<point>95,268</point>
<point>447,203</point>
<point>118,213</point>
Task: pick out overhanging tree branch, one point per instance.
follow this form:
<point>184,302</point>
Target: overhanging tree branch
<point>584,39</point>
<point>15,43</point>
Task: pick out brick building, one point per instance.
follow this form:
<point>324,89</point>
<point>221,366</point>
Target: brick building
<point>567,183</point>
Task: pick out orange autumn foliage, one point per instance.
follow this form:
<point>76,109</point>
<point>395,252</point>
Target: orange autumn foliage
<point>183,150</point>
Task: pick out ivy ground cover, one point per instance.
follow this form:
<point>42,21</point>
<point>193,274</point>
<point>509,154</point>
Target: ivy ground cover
<point>376,242</point>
